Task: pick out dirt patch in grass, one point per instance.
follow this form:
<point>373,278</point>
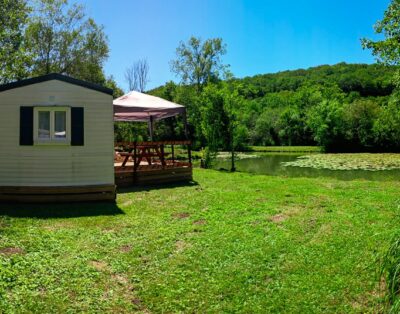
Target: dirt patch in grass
<point>180,246</point>
<point>99,265</point>
<point>287,212</point>
<point>126,248</point>
<point>368,300</point>
<point>121,280</point>
<point>268,280</point>
<point>8,251</point>
<point>278,218</point>
<point>127,203</point>
<point>58,225</point>
<point>128,291</point>
<point>181,215</point>
<point>201,221</point>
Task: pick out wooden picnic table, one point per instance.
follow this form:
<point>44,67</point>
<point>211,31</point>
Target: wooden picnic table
<point>140,152</point>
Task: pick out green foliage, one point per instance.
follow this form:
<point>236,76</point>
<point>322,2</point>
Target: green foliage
<point>326,121</point>
<point>128,131</point>
<point>387,126</point>
<point>220,107</point>
<point>278,109</point>
<point>13,56</point>
<point>267,128</point>
<point>44,36</point>
<point>367,80</point>
<point>390,271</point>
<point>61,39</point>
<point>111,83</point>
<point>360,116</point>
<point>388,49</point>
<point>199,62</point>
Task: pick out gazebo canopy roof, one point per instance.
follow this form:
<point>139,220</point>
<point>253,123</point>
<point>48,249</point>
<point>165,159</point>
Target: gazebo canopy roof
<point>136,106</point>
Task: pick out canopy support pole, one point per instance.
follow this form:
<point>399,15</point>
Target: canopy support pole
<point>151,128</point>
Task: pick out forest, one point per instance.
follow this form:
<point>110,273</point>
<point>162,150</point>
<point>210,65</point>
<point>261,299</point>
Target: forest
<point>342,107</point>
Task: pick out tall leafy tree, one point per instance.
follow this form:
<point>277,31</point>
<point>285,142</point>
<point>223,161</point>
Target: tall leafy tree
<point>326,120</point>
<point>360,117</point>
<point>13,57</point>
<point>387,126</point>
<point>199,62</point>
<point>220,110</point>
<point>61,39</point>
<point>388,49</point>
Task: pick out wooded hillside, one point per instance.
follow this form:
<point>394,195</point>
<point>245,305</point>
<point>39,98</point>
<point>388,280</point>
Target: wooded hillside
<point>341,107</point>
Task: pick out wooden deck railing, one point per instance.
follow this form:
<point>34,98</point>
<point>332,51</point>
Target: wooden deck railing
<point>153,155</point>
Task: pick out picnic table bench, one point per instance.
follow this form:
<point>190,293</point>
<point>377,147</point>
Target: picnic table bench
<point>140,152</point>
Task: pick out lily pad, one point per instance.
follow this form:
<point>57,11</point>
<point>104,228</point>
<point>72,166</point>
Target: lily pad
<point>370,162</point>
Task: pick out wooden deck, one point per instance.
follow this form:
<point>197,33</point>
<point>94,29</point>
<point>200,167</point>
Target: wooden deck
<point>136,163</point>
<point>152,163</point>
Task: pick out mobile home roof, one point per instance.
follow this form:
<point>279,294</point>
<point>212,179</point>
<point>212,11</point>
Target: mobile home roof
<point>59,77</point>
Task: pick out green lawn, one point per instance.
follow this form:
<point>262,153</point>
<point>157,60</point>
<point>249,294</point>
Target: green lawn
<point>232,243</point>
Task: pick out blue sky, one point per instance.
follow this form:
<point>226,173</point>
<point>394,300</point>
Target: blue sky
<point>262,36</point>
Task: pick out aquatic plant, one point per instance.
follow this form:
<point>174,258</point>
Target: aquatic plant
<point>370,162</point>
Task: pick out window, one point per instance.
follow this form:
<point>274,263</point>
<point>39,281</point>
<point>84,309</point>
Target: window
<point>52,125</point>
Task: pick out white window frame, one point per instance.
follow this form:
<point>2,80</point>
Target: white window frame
<point>52,140</point>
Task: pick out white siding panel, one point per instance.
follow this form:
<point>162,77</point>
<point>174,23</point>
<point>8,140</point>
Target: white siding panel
<point>43,165</point>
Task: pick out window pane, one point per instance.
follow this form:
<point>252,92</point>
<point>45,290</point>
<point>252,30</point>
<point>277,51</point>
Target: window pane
<point>44,124</point>
<point>60,127</point>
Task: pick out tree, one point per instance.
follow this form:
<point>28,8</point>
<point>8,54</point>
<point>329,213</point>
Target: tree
<point>60,39</point>
<point>199,62</point>
<point>387,126</point>
<point>111,83</point>
<point>328,125</point>
<point>220,110</point>
<point>13,58</point>
<point>266,127</point>
<point>360,117</point>
<point>292,129</point>
<point>137,75</point>
<point>387,50</point>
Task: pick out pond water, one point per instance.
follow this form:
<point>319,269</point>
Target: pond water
<point>271,164</point>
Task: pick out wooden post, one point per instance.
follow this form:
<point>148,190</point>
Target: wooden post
<point>135,165</point>
<point>151,128</point>
<point>172,153</point>
<point>162,155</point>
<point>190,154</point>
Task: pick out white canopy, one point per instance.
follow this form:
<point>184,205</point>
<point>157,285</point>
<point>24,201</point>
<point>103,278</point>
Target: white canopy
<point>140,107</point>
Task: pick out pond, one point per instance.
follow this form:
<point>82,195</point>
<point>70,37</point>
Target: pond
<point>273,164</point>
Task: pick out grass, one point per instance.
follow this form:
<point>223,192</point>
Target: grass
<point>286,149</point>
<point>230,243</point>
<point>391,273</point>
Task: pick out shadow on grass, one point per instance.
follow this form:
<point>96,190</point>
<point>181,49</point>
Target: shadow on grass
<point>156,187</point>
<point>58,210</point>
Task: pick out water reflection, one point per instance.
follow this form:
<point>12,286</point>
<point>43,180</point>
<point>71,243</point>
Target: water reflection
<point>270,164</point>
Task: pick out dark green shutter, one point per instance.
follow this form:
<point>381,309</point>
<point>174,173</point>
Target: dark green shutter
<point>26,126</point>
<point>77,126</point>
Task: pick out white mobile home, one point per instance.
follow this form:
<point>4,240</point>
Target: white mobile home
<point>56,140</point>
